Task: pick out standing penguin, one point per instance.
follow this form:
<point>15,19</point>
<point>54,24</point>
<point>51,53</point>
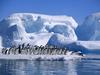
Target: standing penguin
<point>19,49</point>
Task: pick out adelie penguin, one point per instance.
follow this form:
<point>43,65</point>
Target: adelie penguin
<point>78,53</point>
<point>40,50</point>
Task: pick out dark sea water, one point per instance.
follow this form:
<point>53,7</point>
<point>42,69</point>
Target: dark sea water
<point>85,66</point>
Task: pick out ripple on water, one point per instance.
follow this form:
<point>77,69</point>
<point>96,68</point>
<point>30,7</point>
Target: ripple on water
<point>85,66</point>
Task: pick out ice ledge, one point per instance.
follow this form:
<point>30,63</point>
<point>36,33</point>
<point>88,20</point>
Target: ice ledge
<point>40,57</point>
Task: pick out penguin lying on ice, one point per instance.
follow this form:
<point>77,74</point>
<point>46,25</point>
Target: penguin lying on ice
<point>78,53</point>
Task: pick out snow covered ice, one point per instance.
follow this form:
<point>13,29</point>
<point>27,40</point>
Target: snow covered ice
<point>26,27</point>
<point>36,29</point>
<point>60,30</point>
<point>90,29</point>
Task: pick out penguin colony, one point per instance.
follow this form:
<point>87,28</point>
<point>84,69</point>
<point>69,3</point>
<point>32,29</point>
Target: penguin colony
<point>38,50</point>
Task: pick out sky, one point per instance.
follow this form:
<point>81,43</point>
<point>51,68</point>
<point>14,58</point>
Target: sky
<point>78,9</point>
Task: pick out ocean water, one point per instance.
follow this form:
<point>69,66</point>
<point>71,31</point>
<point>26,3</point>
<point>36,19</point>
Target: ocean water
<point>85,66</point>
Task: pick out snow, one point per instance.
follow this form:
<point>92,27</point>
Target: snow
<point>0,41</point>
<point>89,44</point>
<point>40,57</point>
<point>59,30</point>
<point>36,29</point>
<point>90,29</point>
<point>59,40</point>
<point>66,31</point>
<point>47,18</point>
<point>35,39</point>
<point>87,47</point>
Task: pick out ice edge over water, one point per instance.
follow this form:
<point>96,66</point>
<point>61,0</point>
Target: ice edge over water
<point>40,57</point>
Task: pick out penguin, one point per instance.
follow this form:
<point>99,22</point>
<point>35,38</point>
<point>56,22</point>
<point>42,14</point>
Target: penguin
<point>80,53</point>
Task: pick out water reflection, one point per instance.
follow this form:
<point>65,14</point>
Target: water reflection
<point>70,67</point>
<point>24,67</point>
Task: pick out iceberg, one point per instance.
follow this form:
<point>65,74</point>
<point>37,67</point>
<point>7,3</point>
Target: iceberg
<point>90,29</point>
<point>60,30</point>
<point>36,29</point>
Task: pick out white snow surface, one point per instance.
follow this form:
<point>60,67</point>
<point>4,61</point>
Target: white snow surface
<point>39,29</point>
<point>40,57</point>
<point>92,45</point>
<point>36,29</point>
<point>58,19</point>
<point>90,29</point>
